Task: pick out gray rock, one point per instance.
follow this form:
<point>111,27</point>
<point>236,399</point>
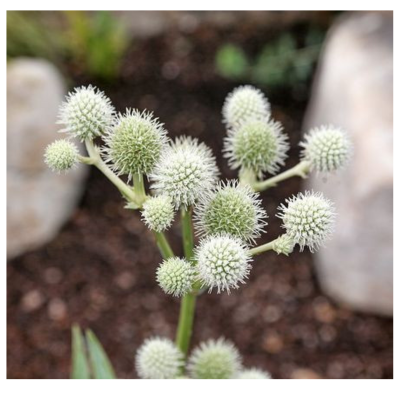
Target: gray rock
<point>39,202</point>
<point>354,90</point>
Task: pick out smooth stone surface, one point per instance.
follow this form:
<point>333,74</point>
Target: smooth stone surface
<point>39,201</point>
<point>354,90</point>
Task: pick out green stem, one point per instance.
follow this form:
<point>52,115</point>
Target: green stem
<point>138,188</point>
<point>187,232</point>
<point>301,169</point>
<point>188,302</point>
<point>263,248</point>
<point>163,245</point>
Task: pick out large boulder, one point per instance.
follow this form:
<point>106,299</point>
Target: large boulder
<point>38,201</point>
<point>354,90</point>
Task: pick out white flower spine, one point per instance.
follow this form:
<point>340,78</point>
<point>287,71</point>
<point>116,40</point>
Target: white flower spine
<point>308,219</point>
<point>231,208</point>
<point>135,142</point>
<point>222,262</point>
<point>158,213</point>
<point>158,358</point>
<point>327,148</point>
<point>175,276</point>
<point>86,114</point>
<point>259,146</point>
<point>253,373</point>
<point>243,104</point>
<point>61,155</point>
<point>186,169</point>
<point>214,359</point>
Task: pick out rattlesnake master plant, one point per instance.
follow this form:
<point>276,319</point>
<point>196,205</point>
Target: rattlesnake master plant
<point>228,215</point>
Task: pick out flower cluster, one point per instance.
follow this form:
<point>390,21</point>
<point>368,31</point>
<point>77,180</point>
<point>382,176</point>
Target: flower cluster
<point>214,359</point>
<point>61,155</point>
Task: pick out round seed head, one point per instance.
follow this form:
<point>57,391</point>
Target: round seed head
<point>260,146</point>
<point>214,359</point>
<point>135,143</point>
<point>222,262</point>
<point>308,219</point>
<point>231,208</point>
<point>284,244</point>
<point>175,276</point>
<point>253,373</point>
<point>158,358</point>
<point>326,148</point>
<point>158,213</point>
<point>243,104</point>
<point>61,155</point>
<point>186,170</point>
<point>87,113</point>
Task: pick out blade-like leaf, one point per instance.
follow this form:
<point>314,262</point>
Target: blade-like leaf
<point>80,365</point>
<point>101,365</point>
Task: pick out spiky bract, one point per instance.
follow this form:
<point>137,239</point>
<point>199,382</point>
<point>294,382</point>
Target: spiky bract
<point>326,148</point>
<point>135,142</point>
<point>186,170</point>
<point>214,359</point>
<point>175,276</point>
<point>87,113</point>
<point>61,155</point>
<point>243,104</point>
<point>231,208</point>
<point>222,262</point>
<point>259,146</point>
<point>158,213</point>
<point>158,358</point>
<point>308,219</point>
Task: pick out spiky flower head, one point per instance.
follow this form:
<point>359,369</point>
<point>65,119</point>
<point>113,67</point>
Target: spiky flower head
<point>175,276</point>
<point>243,104</point>
<point>253,373</point>
<point>326,148</point>
<point>284,244</point>
<point>231,208</point>
<point>186,170</point>
<point>87,113</point>
<point>61,155</point>
<point>308,219</point>
<point>135,142</point>
<point>158,213</point>
<point>259,146</point>
<point>158,358</point>
<point>222,262</point>
<point>214,359</point>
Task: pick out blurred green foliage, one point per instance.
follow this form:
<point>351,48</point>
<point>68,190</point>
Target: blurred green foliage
<point>94,42</point>
<point>280,63</point>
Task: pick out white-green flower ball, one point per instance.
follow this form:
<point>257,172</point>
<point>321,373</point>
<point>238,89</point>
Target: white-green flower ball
<point>222,262</point>
<point>158,213</point>
<point>87,113</point>
<point>243,104</point>
<point>259,146</point>
<point>214,359</point>
<point>231,208</point>
<point>175,276</point>
<point>185,171</point>
<point>253,373</point>
<point>159,358</point>
<point>61,155</point>
<point>308,219</point>
<point>284,244</point>
<point>135,143</point>
<point>327,149</point>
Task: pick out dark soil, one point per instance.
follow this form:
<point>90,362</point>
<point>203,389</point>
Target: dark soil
<point>100,270</point>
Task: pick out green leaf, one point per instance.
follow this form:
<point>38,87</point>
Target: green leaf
<point>80,365</point>
<point>101,365</point>
<point>231,61</point>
